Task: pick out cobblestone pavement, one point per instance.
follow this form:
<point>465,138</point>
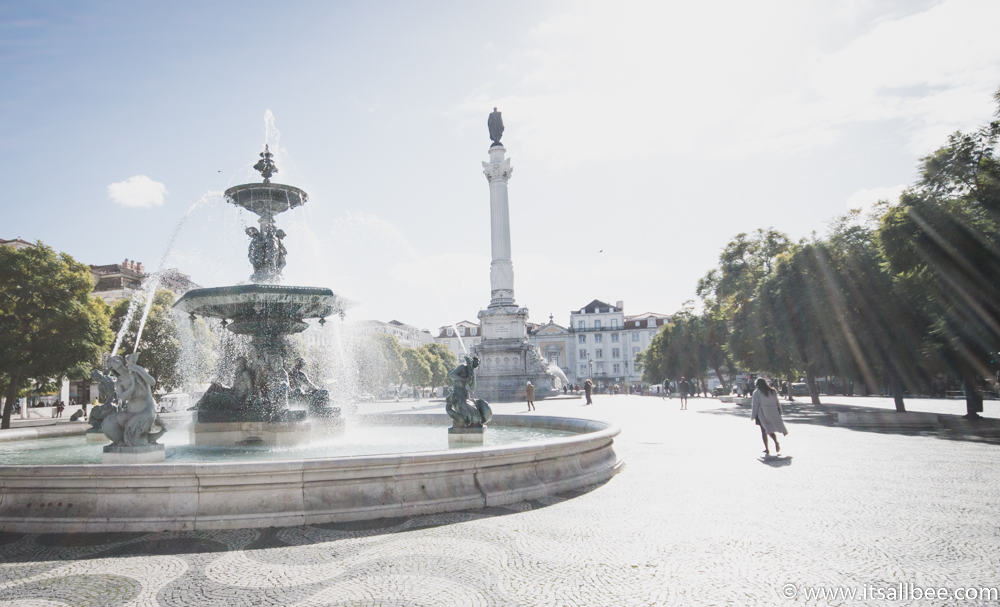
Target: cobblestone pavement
<point>697,517</point>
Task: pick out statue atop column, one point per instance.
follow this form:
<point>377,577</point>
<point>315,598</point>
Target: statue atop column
<point>463,413</point>
<point>495,124</point>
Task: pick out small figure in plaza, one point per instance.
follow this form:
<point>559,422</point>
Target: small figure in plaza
<point>765,411</point>
<point>495,124</point>
<point>131,426</point>
<point>684,388</point>
<point>457,406</point>
<point>588,390</point>
<point>105,395</point>
<point>529,393</point>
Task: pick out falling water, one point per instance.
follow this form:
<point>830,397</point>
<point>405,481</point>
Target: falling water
<point>153,281</point>
<point>460,341</point>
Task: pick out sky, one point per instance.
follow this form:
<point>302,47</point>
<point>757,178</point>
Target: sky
<point>643,136</point>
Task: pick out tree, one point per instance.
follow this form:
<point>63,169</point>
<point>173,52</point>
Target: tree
<point>441,361</point>
<point>50,324</point>
<point>418,368</point>
<point>159,347</point>
<point>942,243</point>
<point>380,362</point>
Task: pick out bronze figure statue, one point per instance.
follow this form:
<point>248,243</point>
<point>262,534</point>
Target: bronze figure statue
<point>495,124</point>
<point>463,413</point>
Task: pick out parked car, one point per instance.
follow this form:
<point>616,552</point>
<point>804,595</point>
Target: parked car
<point>800,389</point>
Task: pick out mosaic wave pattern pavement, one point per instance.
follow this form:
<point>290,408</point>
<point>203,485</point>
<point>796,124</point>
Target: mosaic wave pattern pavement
<point>696,518</point>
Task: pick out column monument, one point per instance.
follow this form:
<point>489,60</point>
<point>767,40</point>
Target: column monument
<point>507,360</point>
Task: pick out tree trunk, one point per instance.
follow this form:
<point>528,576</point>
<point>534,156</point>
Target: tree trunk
<point>973,398</point>
<point>12,389</point>
<point>813,388</point>
<point>727,388</point>
<point>896,387</point>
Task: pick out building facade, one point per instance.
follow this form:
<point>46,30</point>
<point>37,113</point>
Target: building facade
<point>604,343</point>
<point>454,337</point>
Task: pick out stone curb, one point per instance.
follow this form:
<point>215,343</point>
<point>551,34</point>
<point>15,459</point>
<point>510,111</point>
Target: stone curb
<point>52,431</point>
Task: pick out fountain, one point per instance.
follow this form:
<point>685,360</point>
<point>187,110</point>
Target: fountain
<point>259,406</point>
<point>230,475</point>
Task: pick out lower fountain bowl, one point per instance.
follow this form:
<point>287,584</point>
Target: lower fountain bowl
<point>228,495</point>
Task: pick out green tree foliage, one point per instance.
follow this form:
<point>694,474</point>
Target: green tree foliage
<point>380,362</point>
<point>159,346</point>
<point>441,361</point>
<point>418,368</point>
<point>942,243</point>
<point>50,325</point>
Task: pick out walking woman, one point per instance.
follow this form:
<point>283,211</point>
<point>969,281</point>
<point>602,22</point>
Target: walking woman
<point>766,413</point>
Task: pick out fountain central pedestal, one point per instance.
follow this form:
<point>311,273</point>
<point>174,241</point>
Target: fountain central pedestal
<point>265,403</point>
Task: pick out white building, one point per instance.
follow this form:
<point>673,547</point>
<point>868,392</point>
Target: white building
<point>604,343</point>
<point>408,336</point>
<point>461,333</point>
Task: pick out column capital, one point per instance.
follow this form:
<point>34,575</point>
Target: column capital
<point>498,170</point>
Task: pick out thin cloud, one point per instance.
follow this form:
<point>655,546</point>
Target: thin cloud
<point>864,199</point>
<point>137,191</point>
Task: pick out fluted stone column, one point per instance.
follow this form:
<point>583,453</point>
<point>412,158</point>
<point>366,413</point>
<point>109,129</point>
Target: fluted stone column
<point>498,171</point>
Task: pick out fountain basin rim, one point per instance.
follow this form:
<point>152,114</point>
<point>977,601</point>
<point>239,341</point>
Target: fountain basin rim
<point>587,430</point>
<point>192,496</point>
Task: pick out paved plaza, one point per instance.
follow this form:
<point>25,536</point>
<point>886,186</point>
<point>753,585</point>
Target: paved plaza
<point>697,517</point>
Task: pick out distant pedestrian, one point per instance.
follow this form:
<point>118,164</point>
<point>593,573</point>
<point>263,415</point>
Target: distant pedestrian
<point>766,413</point>
<point>529,392</point>
<point>588,388</point>
<point>684,388</point>
<point>59,408</point>
<point>83,407</point>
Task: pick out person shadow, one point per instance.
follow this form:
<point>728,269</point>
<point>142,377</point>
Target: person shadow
<point>775,461</point>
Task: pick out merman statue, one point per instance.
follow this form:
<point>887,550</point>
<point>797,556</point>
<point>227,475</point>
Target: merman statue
<point>131,425</point>
<point>463,381</point>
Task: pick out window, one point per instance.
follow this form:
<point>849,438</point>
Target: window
<point>614,323</point>
<point>597,338</point>
<point>583,353</point>
<point>580,324</point>
<point>583,370</point>
<point>635,351</point>
<point>614,338</point>
<point>635,337</point>
<point>582,339</point>
<point>617,369</point>
<point>615,353</point>
<point>600,353</point>
<point>652,334</point>
<point>597,323</point>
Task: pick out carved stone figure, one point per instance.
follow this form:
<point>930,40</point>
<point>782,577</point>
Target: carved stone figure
<point>219,403</point>
<point>131,425</point>
<point>463,381</point>
<point>303,390</point>
<point>495,124</point>
<point>266,252</point>
<point>105,395</point>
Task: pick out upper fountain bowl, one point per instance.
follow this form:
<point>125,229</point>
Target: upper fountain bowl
<point>253,307</point>
<point>266,199</point>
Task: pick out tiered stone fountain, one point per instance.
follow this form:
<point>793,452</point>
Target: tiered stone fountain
<point>270,400</point>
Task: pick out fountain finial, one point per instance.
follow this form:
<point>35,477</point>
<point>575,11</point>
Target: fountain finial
<point>265,166</point>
